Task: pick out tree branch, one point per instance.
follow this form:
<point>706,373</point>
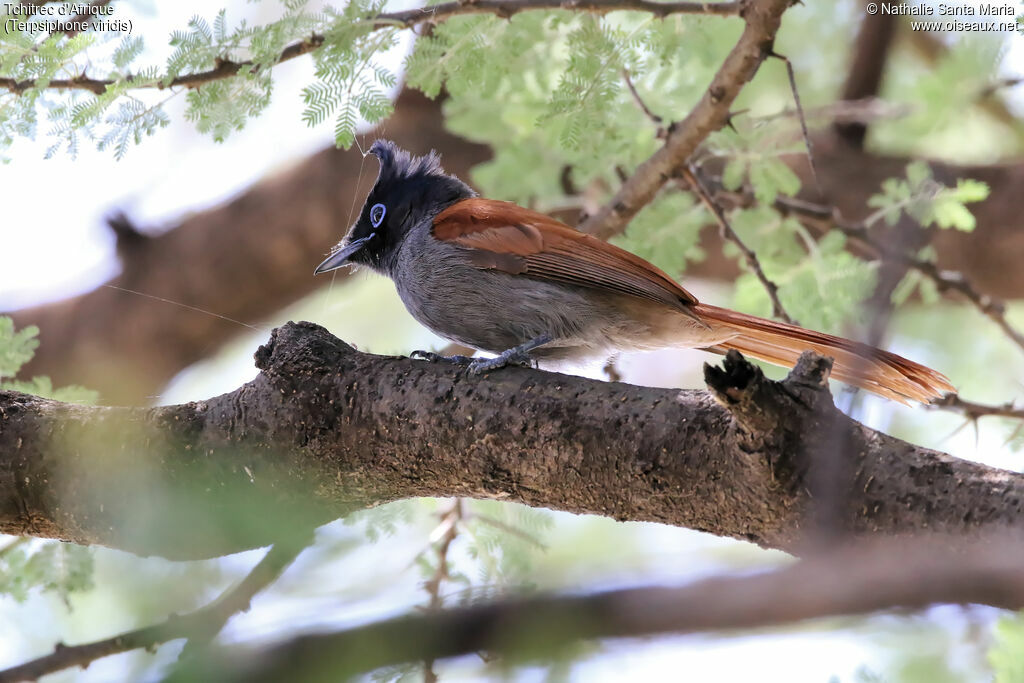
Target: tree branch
<point>203,624</point>
<point>974,411</point>
<point>762,19</point>
<point>227,68</point>
<point>853,580</point>
<point>324,430</point>
<point>867,67</point>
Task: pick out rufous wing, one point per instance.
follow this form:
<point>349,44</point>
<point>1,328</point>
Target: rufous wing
<point>506,237</point>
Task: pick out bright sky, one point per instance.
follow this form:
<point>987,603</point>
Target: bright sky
<point>54,242</point>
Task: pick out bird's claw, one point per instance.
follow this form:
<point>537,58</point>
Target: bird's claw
<point>432,357</point>
<point>506,358</point>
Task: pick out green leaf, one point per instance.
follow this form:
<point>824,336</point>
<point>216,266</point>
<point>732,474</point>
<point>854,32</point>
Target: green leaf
<point>969,190</point>
<point>1007,654</point>
<point>733,175</point>
<point>949,213</point>
<point>917,173</point>
<point>667,232</point>
<point>16,348</point>
<point>43,387</point>
<point>61,568</point>
<point>926,201</point>
<point>129,49</point>
<point>771,177</point>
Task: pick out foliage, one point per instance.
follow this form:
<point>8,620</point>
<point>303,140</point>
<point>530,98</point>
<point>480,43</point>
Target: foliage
<point>385,520</point>
<point>1007,654</point>
<point>60,568</point>
<point>927,201</point>
<point>820,283</point>
<point>350,79</point>
<point>667,232</point>
<point>16,349</point>
<point>754,157</point>
<point>503,540</point>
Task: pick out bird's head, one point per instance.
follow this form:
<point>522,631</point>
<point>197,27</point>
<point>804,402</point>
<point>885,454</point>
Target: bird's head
<point>408,191</point>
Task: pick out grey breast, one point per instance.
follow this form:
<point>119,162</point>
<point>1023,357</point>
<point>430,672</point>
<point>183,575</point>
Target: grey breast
<point>487,309</point>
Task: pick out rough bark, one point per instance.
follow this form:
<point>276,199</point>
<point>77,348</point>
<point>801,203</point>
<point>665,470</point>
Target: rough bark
<point>325,429</point>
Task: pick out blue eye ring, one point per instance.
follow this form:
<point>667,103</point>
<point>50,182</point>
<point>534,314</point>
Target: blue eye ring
<point>377,212</point>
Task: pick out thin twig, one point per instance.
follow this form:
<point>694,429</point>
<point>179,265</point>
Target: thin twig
<point>225,68</point>
<point>945,280</point>
<point>866,110</point>
<point>655,119</point>
<point>728,233</point>
<point>199,626</point>
<point>826,217</point>
<point>998,85</point>
<point>803,120</point>
<point>449,531</point>
<point>974,411</point>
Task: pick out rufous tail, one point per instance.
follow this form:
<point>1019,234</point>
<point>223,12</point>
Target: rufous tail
<point>877,371</point>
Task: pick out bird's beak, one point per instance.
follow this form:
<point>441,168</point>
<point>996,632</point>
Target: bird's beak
<point>340,257</point>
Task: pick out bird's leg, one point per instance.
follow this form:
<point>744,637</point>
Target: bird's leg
<point>438,358</point>
<point>517,355</point>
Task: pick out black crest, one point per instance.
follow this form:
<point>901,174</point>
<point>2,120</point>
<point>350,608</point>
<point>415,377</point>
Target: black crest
<point>397,164</point>
<point>409,190</point>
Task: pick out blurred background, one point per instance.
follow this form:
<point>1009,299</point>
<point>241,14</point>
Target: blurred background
<point>153,278</point>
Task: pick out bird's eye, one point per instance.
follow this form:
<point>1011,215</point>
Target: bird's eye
<point>377,212</point>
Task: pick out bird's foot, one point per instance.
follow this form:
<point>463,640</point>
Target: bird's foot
<point>517,355</point>
<point>438,358</point>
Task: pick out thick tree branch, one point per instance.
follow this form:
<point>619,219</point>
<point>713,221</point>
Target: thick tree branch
<point>324,430</point>
<point>226,68</point>
<point>762,19</point>
<point>858,579</point>
<point>867,67</point>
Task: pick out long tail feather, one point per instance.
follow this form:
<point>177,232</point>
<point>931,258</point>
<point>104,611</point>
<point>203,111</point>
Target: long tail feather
<point>877,371</point>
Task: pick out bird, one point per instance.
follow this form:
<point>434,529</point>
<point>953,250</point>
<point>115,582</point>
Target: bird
<point>506,280</point>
